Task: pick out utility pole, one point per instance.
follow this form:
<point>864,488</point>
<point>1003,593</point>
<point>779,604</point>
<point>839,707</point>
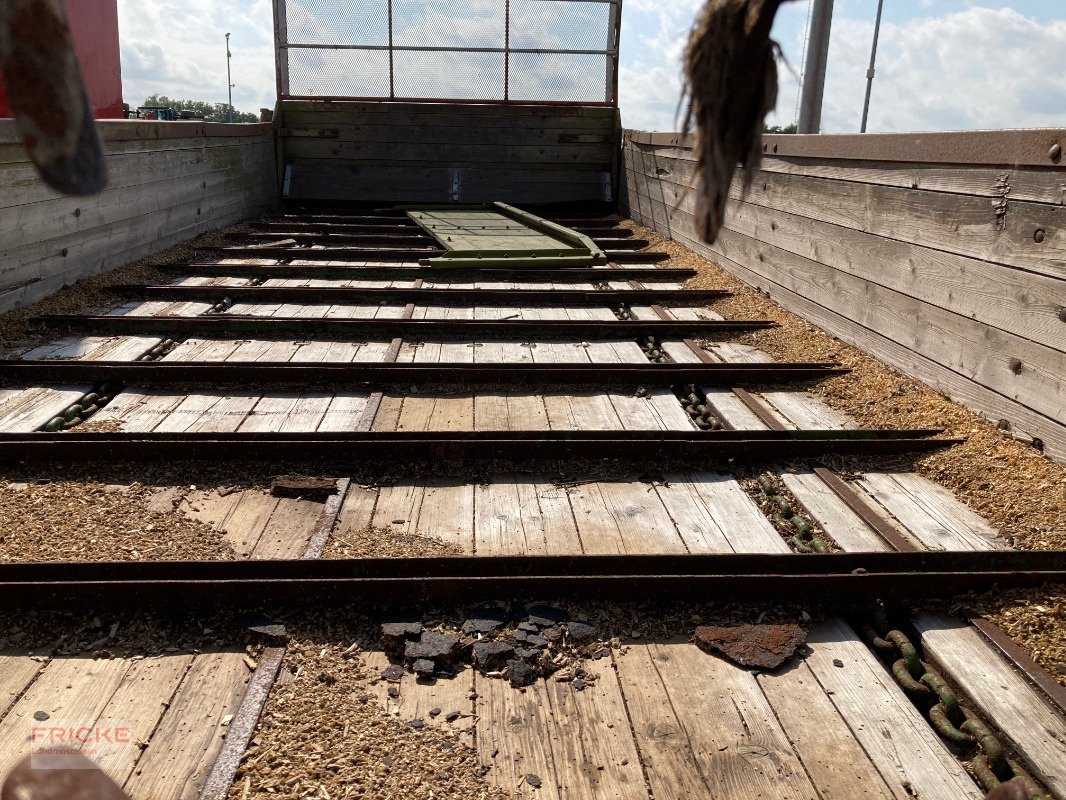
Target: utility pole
<point>810,117</point>
<point>229,81</point>
<point>870,71</point>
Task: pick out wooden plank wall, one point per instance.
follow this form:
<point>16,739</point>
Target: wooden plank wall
<point>449,152</point>
<point>169,181</point>
<point>943,255</point>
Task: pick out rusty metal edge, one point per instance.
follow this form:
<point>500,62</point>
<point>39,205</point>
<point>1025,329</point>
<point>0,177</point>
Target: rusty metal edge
<point>242,726</point>
<point>1027,147</point>
<point>327,519</point>
<point>758,409</point>
<point>865,512</point>
<point>1020,660</point>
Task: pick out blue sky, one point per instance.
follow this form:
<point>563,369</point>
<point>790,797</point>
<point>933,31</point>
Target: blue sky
<point>948,64</point>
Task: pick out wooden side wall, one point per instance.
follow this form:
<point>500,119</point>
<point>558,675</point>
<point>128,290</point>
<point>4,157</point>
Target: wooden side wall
<point>169,181</point>
<point>449,152</point>
<point>943,255</point>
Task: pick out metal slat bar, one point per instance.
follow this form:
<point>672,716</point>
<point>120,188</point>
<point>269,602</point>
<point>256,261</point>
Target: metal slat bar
<point>372,376</point>
<point>409,254</point>
<point>239,326</point>
<point>464,450</point>
<point>520,298</point>
<point>441,274</point>
<point>823,577</point>
<point>414,48</point>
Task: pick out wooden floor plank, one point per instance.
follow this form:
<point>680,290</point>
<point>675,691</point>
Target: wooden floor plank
<point>289,529</point>
<point>593,739</point>
<point>139,702</point>
<point>512,734</point>
<point>743,524</point>
<point>243,527</point>
<point>68,690</point>
<point>561,536</point>
<point>842,524</point>
<point>707,730</point>
<point>902,745</point>
<point>190,734</point>
<point>596,527</point>
<point>643,522</point>
<point>446,514</point>
<point>732,411</point>
<point>17,672</point>
<point>929,512</point>
<point>1022,714</point>
<point>701,531</point>
<point>831,755</point>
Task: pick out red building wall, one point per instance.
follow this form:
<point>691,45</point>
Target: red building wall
<point>94,24</point>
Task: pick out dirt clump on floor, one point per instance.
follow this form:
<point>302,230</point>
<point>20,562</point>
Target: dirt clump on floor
<point>87,521</point>
<point>324,732</point>
<point>1009,482</point>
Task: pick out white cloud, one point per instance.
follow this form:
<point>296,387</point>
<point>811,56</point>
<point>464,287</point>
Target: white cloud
<point>977,67</point>
<point>177,48</point>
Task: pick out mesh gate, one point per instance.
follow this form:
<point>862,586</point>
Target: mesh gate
<point>544,51</point>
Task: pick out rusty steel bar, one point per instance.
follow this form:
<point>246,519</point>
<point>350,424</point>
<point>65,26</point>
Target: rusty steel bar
<point>375,376</point>
<point>437,274</point>
<point>688,448</point>
<point>245,326</point>
<point>459,297</point>
<point>840,578</point>
<point>398,254</point>
<point>281,226</point>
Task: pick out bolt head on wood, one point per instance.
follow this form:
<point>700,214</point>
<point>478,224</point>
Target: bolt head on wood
<point>1015,365</point>
<point>1038,235</point>
<point>1055,153</point>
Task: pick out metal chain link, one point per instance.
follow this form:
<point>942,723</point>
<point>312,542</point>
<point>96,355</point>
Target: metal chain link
<point>805,540</point>
<point>956,724</point>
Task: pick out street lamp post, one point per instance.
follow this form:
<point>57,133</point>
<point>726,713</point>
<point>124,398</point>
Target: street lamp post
<point>229,81</point>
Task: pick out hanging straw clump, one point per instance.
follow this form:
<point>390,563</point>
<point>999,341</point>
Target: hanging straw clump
<point>731,85</point>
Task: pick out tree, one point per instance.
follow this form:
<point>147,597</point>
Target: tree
<point>778,129</point>
<point>212,112</point>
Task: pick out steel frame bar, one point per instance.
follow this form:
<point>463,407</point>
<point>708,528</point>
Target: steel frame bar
<point>688,448</point>
<point>840,578</point>
<point>450,274</point>
<point>372,376</point>
<point>330,228</point>
<point>523,298</point>
<point>242,326</point>
<point>413,253</point>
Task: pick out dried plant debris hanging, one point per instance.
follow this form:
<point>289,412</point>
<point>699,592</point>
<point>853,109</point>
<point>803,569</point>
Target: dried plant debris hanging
<point>731,85</point>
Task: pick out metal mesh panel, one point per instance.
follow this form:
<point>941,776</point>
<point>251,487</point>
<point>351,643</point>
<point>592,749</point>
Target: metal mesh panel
<point>458,76</point>
<point>338,22</point>
<point>448,23</point>
<point>551,76</point>
<point>491,50</point>
<point>560,25</point>
<point>339,73</point>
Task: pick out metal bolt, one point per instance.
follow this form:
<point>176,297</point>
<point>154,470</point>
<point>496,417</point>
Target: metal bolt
<point>1015,365</point>
<point>1055,153</point>
<point>1062,314</point>
<point>1038,235</point>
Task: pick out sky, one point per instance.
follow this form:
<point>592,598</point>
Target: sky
<point>941,64</point>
